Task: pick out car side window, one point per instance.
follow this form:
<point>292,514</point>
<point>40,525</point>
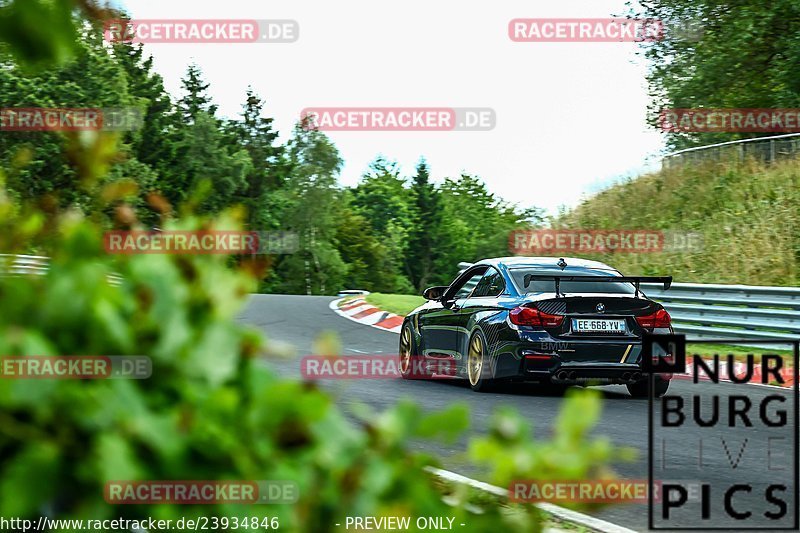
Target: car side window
<point>491,284</point>
<point>466,288</point>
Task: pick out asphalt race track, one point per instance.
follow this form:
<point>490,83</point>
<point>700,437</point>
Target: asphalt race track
<point>297,320</point>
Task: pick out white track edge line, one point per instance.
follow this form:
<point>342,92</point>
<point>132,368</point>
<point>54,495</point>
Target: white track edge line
<point>561,513</point>
<point>557,511</point>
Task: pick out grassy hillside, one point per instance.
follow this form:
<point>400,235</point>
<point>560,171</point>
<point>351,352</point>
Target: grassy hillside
<point>749,216</point>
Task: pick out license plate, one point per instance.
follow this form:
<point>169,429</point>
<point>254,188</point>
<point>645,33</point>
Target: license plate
<point>596,325</point>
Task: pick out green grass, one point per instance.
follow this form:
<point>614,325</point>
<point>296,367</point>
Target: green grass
<point>748,214</point>
<point>725,349</point>
<point>399,304</point>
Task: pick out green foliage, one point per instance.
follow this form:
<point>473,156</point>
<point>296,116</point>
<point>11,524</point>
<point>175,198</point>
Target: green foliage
<point>311,210</point>
<point>212,408</point>
<point>475,225</point>
<point>385,234</point>
<point>195,101</point>
<point>427,230</point>
<point>268,171</point>
<point>41,33</point>
<point>41,163</point>
<point>367,258</point>
<point>744,53</point>
<point>738,210</point>
<point>423,251</point>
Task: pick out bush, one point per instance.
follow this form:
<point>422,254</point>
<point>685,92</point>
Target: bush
<point>212,409</point>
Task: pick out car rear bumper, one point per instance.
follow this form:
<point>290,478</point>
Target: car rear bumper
<point>581,373</point>
<point>571,373</point>
<point>610,362</point>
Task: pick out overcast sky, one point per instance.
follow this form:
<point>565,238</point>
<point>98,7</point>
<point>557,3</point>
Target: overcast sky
<point>570,116</point>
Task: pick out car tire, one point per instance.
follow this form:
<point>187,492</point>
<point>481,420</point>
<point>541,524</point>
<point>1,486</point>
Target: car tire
<point>407,354</point>
<point>641,389</point>
<point>479,372</point>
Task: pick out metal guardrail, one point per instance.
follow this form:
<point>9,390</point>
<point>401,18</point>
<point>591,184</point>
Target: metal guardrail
<point>731,311</point>
<point>21,265</point>
<point>698,310</point>
<point>766,149</point>
<point>712,311</point>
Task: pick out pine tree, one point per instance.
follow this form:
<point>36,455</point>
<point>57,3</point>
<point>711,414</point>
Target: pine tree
<point>422,250</point>
<point>254,133</point>
<point>196,99</point>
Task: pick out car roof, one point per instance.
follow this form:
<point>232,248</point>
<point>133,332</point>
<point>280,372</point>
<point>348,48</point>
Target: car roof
<point>522,261</point>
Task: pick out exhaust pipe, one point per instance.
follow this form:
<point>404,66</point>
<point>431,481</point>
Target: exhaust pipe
<point>636,376</point>
<point>562,376</point>
<point>626,376</point>
<point>572,375</point>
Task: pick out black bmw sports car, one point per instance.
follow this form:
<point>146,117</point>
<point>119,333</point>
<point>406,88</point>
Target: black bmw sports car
<point>559,322</point>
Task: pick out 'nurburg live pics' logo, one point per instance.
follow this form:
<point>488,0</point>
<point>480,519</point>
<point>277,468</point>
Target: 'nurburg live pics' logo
<point>733,432</point>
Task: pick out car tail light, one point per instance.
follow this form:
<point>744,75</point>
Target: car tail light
<point>530,316</point>
<point>659,319</point>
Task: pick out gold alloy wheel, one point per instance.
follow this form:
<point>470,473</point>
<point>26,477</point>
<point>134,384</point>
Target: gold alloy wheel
<point>405,350</point>
<point>475,360</point>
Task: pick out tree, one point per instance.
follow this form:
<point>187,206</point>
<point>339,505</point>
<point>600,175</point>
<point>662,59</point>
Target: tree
<point>743,54</point>
<point>40,162</point>
<point>154,144</point>
<point>369,264</point>
<point>202,153</point>
<point>424,245</point>
<point>312,207</point>
<point>204,157</point>
<point>475,224</point>
<point>268,172</point>
<point>196,99</point>
<point>384,199</point>
<point>211,408</point>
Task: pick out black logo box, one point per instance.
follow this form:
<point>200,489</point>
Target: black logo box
<point>675,345</point>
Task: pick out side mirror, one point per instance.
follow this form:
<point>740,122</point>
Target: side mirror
<point>433,293</point>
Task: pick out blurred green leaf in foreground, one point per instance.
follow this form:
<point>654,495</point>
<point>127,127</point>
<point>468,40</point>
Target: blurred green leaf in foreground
<point>212,410</point>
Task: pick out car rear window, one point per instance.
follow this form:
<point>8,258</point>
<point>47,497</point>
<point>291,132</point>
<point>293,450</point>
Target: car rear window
<point>567,287</point>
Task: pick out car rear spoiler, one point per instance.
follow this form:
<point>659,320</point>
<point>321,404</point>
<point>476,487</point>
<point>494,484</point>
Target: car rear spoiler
<point>636,280</point>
